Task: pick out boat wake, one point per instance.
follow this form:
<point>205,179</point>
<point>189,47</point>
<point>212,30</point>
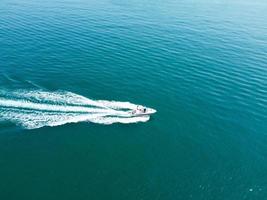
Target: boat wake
<point>35,109</point>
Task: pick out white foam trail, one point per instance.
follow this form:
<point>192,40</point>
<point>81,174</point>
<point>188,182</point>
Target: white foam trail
<point>60,97</point>
<point>46,107</point>
<point>35,109</point>
<point>104,120</point>
<point>117,104</point>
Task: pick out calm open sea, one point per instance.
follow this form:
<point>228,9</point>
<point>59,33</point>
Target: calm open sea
<point>201,64</point>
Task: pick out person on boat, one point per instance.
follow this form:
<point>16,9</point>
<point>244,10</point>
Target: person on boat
<point>139,109</point>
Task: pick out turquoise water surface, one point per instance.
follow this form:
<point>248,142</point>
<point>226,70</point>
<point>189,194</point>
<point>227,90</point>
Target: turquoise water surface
<point>65,65</point>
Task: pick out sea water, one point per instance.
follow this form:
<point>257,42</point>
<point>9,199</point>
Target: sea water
<point>66,65</point>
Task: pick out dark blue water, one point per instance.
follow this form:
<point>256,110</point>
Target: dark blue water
<point>202,65</point>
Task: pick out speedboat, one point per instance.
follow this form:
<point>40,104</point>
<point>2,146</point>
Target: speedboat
<point>141,111</point>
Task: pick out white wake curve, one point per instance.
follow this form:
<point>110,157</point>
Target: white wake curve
<point>35,109</point>
<point>46,107</point>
